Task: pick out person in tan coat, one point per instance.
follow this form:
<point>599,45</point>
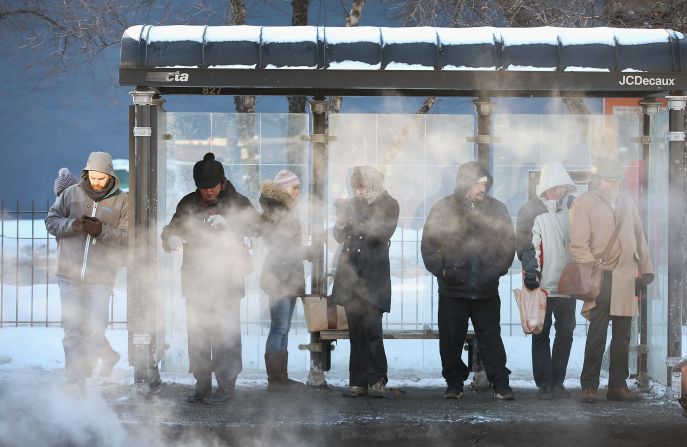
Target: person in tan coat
<point>593,219</point>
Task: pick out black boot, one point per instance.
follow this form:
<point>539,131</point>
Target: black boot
<point>283,372</point>
<point>203,389</point>
<point>224,392</point>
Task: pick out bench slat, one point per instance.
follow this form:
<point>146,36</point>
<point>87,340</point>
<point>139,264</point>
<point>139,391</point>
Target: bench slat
<point>394,335</point>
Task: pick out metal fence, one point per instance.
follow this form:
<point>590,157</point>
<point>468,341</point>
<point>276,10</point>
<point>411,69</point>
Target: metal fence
<point>29,295</point>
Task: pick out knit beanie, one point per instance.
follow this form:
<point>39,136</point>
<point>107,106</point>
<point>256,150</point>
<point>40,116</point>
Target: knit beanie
<point>64,180</point>
<point>285,179</point>
<point>371,180</point>
<point>208,172</point>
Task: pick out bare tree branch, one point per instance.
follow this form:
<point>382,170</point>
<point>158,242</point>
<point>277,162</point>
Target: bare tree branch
<point>352,19</point>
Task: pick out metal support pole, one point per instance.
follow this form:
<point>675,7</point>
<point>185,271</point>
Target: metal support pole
<point>319,361</point>
<point>676,233</point>
<point>142,300</point>
<point>649,108</point>
<point>483,107</point>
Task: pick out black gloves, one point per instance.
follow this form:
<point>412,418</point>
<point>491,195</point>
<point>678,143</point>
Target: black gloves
<point>90,225</point>
<point>531,279</point>
<point>642,281</point>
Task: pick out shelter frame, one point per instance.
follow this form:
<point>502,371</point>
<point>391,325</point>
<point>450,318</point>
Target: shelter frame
<point>151,82</point>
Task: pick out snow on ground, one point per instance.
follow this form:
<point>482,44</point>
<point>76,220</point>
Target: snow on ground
<point>412,363</point>
<point>31,368</point>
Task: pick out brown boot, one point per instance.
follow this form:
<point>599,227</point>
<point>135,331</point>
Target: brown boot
<point>588,395</point>
<point>621,393</point>
<point>283,372</point>
<point>273,367</point>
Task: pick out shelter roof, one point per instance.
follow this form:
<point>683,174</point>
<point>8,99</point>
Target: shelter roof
<point>410,61</point>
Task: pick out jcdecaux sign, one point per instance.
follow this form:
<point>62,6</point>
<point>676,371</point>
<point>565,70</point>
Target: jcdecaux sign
<point>646,80</point>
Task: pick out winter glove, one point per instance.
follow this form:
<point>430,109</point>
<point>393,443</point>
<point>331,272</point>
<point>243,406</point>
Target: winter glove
<point>642,281</point>
<point>172,243</point>
<point>217,221</point>
<point>92,225</point>
<point>78,224</point>
<point>531,279</point>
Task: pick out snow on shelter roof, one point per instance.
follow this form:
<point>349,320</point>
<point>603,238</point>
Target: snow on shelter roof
<point>471,59</point>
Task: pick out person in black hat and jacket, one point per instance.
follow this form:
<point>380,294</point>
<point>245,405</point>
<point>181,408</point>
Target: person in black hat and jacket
<point>210,225</point>
<point>468,243</point>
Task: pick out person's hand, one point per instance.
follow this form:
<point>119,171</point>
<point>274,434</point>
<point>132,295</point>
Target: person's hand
<point>454,275</point>
<point>343,210</point>
<point>642,281</point>
<point>93,226</point>
<point>531,279</point>
<point>172,243</point>
<point>217,221</point>
<point>78,225</point>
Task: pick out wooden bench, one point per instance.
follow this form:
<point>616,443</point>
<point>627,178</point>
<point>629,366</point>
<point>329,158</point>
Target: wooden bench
<point>470,342</point>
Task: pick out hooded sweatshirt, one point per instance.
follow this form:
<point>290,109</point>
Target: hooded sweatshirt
<point>468,245</point>
<point>543,229</point>
<point>106,251</point>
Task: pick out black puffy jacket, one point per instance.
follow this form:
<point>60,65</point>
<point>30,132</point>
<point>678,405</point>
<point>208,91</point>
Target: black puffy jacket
<point>213,256</point>
<point>468,246</point>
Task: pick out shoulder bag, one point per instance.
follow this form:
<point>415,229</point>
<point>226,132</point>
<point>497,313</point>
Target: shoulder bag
<point>584,280</point>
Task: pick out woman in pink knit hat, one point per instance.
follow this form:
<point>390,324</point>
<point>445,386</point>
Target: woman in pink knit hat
<point>283,276</point>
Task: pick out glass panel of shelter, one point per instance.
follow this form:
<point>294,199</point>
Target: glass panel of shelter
<point>419,155</point>
<point>657,236</point>
<point>252,148</point>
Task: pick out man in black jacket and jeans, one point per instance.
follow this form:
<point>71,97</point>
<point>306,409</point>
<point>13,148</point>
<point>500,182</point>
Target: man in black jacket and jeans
<point>468,243</point>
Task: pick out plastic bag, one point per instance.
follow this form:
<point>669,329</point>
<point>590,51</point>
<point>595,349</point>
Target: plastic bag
<point>532,306</point>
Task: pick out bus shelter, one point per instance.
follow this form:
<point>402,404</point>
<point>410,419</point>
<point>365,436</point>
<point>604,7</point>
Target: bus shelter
<point>417,152</point>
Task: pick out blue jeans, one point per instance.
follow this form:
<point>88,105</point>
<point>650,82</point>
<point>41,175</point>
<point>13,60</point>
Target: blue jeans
<point>281,312</point>
<point>84,319</point>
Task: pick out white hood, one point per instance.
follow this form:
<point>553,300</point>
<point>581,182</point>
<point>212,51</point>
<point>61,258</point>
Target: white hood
<point>554,174</point>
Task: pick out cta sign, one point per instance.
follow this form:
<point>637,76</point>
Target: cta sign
<point>169,76</point>
<point>644,80</point>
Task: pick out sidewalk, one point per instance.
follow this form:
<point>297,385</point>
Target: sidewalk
<point>34,412</point>
<point>411,416</point>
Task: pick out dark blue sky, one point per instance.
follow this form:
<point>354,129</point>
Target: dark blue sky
<point>50,121</point>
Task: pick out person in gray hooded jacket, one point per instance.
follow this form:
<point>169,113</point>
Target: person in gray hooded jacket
<point>91,221</point>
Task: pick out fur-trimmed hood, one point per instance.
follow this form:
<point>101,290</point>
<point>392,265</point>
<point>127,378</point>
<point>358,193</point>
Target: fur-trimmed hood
<point>271,192</point>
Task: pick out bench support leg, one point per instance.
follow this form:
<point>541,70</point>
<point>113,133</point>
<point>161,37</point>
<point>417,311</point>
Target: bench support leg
<point>320,361</point>
<point>479,376</point>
